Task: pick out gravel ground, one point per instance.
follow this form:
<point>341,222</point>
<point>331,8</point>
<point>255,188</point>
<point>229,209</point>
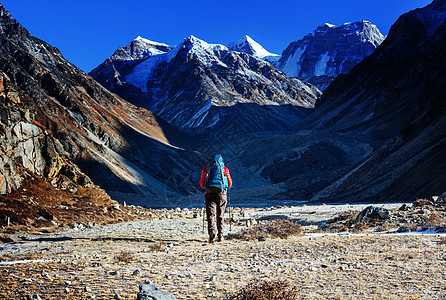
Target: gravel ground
<point>88,263</point>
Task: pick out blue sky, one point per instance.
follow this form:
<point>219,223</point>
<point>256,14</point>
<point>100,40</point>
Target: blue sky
<point>87,32</point>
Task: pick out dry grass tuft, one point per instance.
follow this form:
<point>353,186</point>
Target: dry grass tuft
<point>5,239</point>
<point>422,202</point>
<point>360,227</point>
<point>158,246</point>
<point>279,228</point>
<point>408,228</point>
<point>383,227</point>
<point>125,256</point>
<point>435,221</point>
<point>336,227</point>
<point>442,241</point>
<point>343,222</point>
<point>344,216</point>
<point>267,290</point>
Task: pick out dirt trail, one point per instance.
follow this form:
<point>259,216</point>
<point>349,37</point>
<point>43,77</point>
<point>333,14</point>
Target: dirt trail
<point>81,264</point>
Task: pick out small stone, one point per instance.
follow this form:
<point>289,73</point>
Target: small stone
<point>136,272</point>
<point>47,277</point>
<point>117,296</point>
<point>67,290</point>
<point>87,289</point>
<point>115,206</point>
<point>213,278</point>
<point>91,224</point>
<point>34,297</point>
<point>149,291</point>
<point>114,273</point>
<point>261,239</point>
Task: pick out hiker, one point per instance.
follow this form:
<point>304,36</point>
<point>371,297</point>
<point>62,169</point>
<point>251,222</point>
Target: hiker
<point>216,180</point>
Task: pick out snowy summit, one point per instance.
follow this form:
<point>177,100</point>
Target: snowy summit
<point>330,50</point>
<point>249,46</point>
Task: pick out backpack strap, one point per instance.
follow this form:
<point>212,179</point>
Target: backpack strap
<point>223,176</point>
<point>207,174</point>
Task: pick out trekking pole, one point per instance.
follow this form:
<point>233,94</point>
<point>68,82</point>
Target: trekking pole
<point>204,214</point>
<point>230,215</point>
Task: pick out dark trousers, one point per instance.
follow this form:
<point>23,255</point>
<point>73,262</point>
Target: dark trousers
<point>215,210</point>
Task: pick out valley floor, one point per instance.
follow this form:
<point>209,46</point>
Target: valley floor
<point>172,253</point>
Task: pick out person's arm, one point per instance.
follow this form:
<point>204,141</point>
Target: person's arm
<point>203,177</point>
<point>228,176</point>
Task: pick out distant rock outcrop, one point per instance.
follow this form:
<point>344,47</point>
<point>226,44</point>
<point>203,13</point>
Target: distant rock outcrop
<point>329,51</point>
<point>372,213</point>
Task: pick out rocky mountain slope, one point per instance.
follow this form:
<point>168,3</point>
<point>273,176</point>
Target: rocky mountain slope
<point>119,146</point>
<point>397,96</point>
<point>329,51</point>
<point>200,87</point>
<point>28,148</point>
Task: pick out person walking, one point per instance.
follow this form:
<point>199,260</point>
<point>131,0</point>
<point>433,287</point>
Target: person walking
<point>215,180</point>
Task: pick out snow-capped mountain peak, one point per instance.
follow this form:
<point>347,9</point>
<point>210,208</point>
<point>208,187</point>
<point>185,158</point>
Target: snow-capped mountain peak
<point>247,45</point>
<point>199,85</point>
<point>140,48</point>
<point>197,45</point>
<point>330,50</point>
<point>149,42</point>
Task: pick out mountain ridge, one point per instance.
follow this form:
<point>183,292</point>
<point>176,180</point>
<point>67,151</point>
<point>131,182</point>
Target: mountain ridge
<point>191,85</point>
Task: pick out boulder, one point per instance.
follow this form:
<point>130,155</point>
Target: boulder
<point>372,213</point>
<point>151,292</point>
<point>404,207</point>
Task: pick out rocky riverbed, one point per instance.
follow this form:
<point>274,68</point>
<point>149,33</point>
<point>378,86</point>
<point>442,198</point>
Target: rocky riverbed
<point>171,251</point>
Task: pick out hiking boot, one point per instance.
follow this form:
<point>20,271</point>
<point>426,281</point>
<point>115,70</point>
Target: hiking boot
<point>211,237</point>
<point>220,238</point>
